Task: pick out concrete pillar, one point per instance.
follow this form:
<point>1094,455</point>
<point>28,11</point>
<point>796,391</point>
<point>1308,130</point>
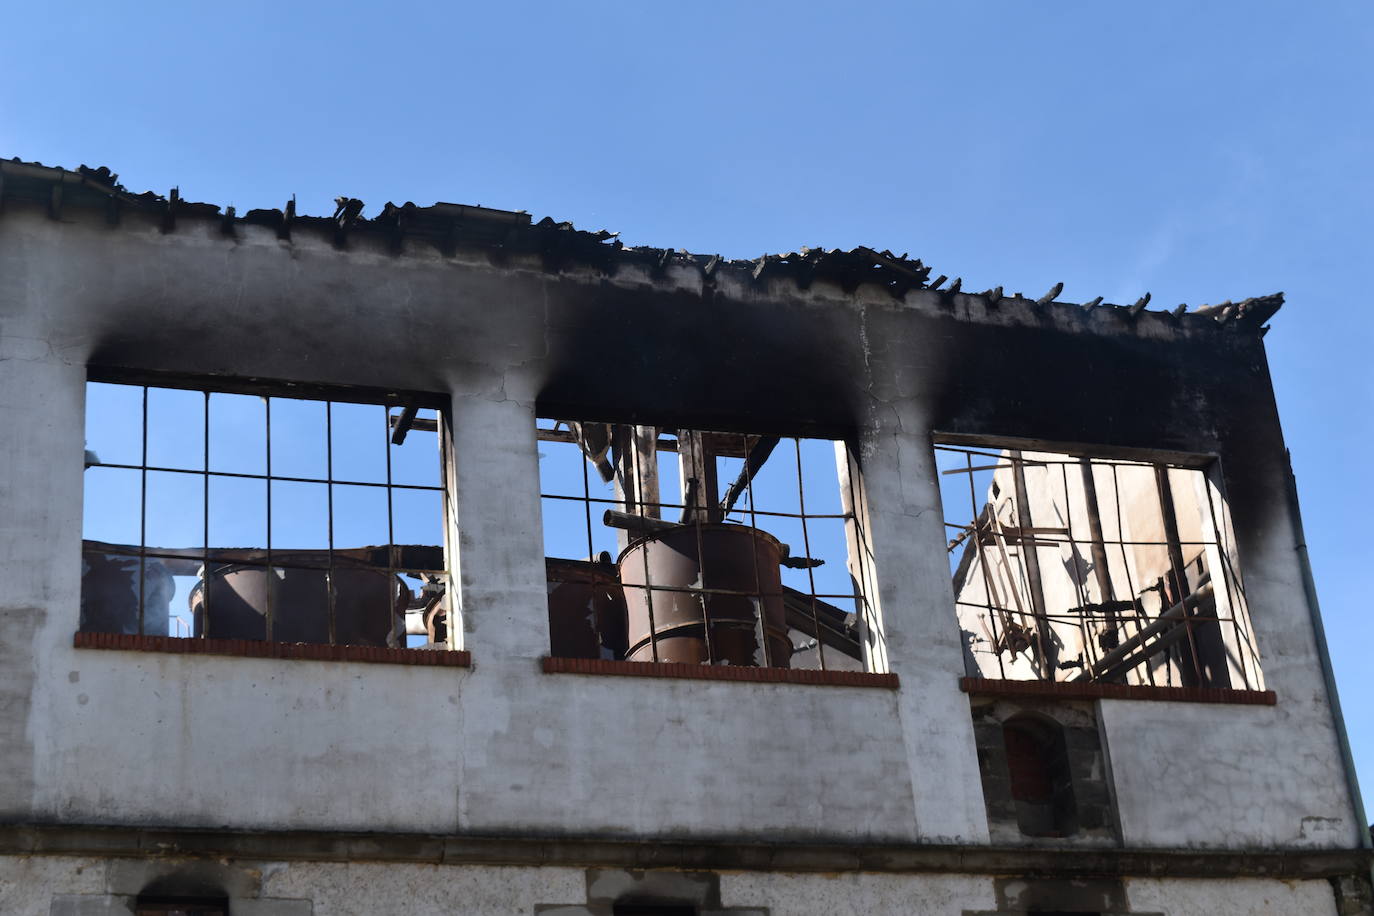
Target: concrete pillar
<point>920,634</point>
<point>499,565</point>
<point>41,398</point>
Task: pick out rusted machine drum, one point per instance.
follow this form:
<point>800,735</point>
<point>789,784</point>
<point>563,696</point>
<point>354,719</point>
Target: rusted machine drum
<point>300,605</point>
<point>586,610</point>
<point>737,558</point>
<point>110,590</point>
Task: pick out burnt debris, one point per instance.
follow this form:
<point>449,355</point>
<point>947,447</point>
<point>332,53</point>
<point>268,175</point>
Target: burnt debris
<point>559,246</point>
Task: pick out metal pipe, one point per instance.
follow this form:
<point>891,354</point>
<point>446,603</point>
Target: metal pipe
<point>1161,623</point>
<point>635,524</point>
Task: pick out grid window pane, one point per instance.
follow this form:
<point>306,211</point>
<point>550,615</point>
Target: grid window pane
<point>417,460</point>
<point>417,517</point>
<point>238,513</point>
<point>359,436</point>
<point>238,433</point>
<point>114,423</point>
<point>300,516</point>
<point>176,428</point>
<point>299,439</point>
<point>113,506</point>
<point>360,516</point>
<point>175,511</point>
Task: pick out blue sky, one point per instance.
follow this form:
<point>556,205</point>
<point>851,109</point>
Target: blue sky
<point>1198,151</point>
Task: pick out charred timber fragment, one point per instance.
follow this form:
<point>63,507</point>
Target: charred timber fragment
<point>346,213</point>
<point>1051,295</point>
<point>169,213</point>
<point>499,234</point>
<point>402,425</point>
<point>288,217</point>
<point>760,266</point>
<point>757,456</point>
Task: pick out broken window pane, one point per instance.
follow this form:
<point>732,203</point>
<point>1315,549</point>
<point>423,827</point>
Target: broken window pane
<point>176,428</point>
<point>698,548</point>
<point>174,511</point>
<point>417,516</point>
<point>417,460</point>
<point>1077,568</point>
<point>300,515</point>
<point>114,424</point>
<point>238,433</point>
<point>299,439</point>
<point>358,433</point>
<point>227,550</point>
<point>238,515</point>
<point>361,516</point>
<point>113,506</point>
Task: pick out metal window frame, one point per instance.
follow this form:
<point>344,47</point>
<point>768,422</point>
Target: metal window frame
<point>328,395</point>
<point>862,602</point>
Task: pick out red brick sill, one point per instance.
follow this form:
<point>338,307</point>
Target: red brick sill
<point>1075,691</point>
<point>718,672</point>
<point>250,648</point>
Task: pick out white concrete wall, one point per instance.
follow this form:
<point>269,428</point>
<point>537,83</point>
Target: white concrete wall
<point>106,737</point>
<point>47,885</point>
<point>1235,897</point>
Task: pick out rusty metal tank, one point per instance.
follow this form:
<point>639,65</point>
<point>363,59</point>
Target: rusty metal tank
<point>586,609</point>
<point>239,597</point>
<point>728,574</point>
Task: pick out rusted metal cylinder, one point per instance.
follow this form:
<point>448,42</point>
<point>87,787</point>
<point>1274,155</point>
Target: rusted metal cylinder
<point>586,610</point>
<point>299,598</point>
<point>729,575</point>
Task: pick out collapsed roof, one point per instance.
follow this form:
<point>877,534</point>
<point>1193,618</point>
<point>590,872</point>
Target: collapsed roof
<point>450,227</point>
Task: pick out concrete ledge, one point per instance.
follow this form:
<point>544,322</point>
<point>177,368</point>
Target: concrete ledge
<point>1089,691</point>
<point>644,853</point>
<point>250,648</point>
<point>553,665</point>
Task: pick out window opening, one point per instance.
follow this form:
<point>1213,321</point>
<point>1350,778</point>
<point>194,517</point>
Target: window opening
<point>677,545</point>
<point>1041,785</point>
<point>181,906</point>
<point>1075,568</point>
<point>215,514</point>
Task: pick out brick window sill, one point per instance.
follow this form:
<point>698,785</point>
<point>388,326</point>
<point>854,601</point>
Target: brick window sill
<point>249,648</point>
<point>1075,691</point>
<point>601,666</point>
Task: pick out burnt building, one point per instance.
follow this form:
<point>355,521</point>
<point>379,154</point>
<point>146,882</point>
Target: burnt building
<point>424,560</point>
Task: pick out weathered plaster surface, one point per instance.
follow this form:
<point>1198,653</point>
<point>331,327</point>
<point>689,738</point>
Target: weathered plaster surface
<point>72,886</point>
<point>827,895</point>
<point>28,883</point>
<point>364,890</point>
<point>1239,897</point>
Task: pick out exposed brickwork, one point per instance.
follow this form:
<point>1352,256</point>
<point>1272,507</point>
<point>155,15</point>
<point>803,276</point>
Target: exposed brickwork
<point>1061,691</point>
<point>719,672</point>
<point>249,648</point>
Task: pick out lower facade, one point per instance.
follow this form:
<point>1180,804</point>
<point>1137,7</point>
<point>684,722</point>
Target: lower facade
<point>160,877</point>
